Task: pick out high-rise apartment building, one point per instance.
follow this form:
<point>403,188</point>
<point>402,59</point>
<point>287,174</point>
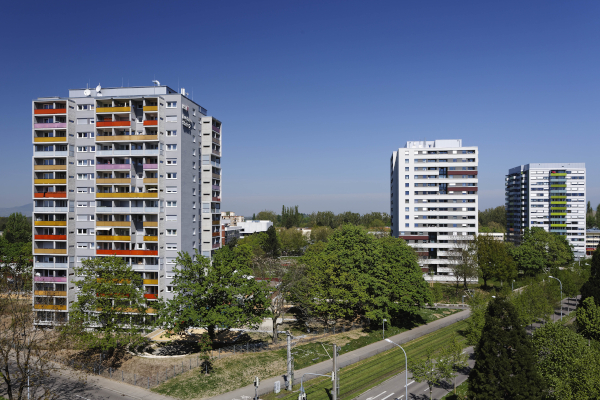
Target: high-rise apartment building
<point>434,201</point>
<point>549,196</point>
<point>133,172</point>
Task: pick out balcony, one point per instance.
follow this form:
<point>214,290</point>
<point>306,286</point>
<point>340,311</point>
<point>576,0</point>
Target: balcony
<point>111,138</point>
<point>50,237</point>
<point>50,223</point>
<point>127,195</point>
<point>150,238</point>
<point>58,293</point>
<point>50,153</point>
<point>49,251</point>
<point>151,122</point>
<point>50,167</point>
<point>150,166</point>
<point>50,111</point>
<point>216,246</point>
<point>216,234</point>
<point>50,195</point>
<point>216,176</point>
<point>215,187</point>
<point>127,252</point>
<point>150,224</point>
<point>150,108</point>
<point>147,152</point>
<point>101,124</point>
<point>216,199</point>
<point>113,109</point>
<point>151,296</point>
<point>462,188</point>
<point>114,223</point>
<point>49,278</point>
<point>114,238</point>
<point>51,265</point>
<point>50,181</point>
<point>216,153</point>
<point>150,281</point>
<point>216,129</point>
<point>50,125</point>
<point>216,222</point>
<point>49,307</point>
<point>112,166</point>
<point>113,181</point>
<point>51,209</point>
<point>49,139</point>
<point>148,181</point>
<point>126,210</point>
<point>216,141</point>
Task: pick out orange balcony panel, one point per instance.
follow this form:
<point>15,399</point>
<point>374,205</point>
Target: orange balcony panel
<point>47,111</point>
<point>100,124</point>
<point>49,139</point>
<point>151,122</point>
<point>113,223</point>
<point>50,293</point>
<point>49,251</point>
<point>54,195</point>
<point>215,234</point>
<point>150,224</point>
<point>150,296</point>
<point>50,237</point>
<point>49,307</point>
<point>128,252</point>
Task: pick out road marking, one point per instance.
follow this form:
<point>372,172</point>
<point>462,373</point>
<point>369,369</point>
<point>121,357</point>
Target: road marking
<point>409,383</point>
<point>373,398</point>
<point>391,394</point>
<point>81,397</point>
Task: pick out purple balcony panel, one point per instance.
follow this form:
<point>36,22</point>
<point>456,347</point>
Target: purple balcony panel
<point>150,166</point>
<point>216,129</point>
<point>113,166</point>
<point>50,279</point>
<point>50,125</point>
<point>215,187</point>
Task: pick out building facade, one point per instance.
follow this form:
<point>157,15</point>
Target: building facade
<point>592,240</point>
<point>253,226</point>
<point>550,196</point>
<point>133,172</point>
<point>434,202</point>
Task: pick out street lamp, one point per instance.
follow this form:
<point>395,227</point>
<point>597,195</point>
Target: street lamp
<point>406,365</point>
<point>560,295</point>
<point>384,327</point>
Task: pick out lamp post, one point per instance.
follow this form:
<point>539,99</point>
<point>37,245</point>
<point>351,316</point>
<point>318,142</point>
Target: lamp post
<point>561,313</point>
<point>406,365</point>
<point>384,327</point>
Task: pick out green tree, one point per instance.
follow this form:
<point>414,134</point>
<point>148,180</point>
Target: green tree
<point>456,360</point>
<point>267,215</point>
<point>292,241</point>
<point>290,217</point>
<point>588,319</point>
<point>272,245</point>
<point>595,265</point>
<point>495,215</point>
<point>476,321</point>
<point>464,255</point>
<point>504,358</point>
<point>256,242</point>
<point>221,295</point>
<point>18,229</point>
<point>567,364</point>
<point>16,262</point>
<point>320,234</point>
<point>533,302</point>
<point>110,312</point>
<point>431,370</point>
<point>598,216</point>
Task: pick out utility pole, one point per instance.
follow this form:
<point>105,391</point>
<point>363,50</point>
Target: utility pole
<point>290,363</point>
<point>335,373</point>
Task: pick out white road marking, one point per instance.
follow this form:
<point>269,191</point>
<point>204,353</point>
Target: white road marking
<point>409,383</point>
<point>373,398</point>
<point>391,394</point>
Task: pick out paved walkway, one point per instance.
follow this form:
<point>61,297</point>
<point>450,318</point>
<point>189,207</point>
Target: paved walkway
<point>344,360</point>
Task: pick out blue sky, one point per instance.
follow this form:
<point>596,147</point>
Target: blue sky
<point>315,96</point>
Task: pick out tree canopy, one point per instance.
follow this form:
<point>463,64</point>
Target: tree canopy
<point>540,251</point>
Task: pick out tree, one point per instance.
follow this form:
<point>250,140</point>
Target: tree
<point>223,295</point>
<point>598,216</point>
<point>271,246</point>
<point>464,257</point>
<point>256,242</point>
<point>456,360</point>
<point>567,364</point>
<point>476,321</point>
<point>595,265</point>
<point>111,311</point>
<point>504,358</point>
<point>588,319</point>
<point>267,215</point>
<point>431,370</point>
<point>16,262</point>
<point>320,233</point>
<point>533,302</point>
<point>496,216</point>
<point>283,277</point>
<point>494,259</point>
<point>540,251</point>
<point>292,241</point>
<point>28,351</point>
<point>18,229</point>
<point>290,217</point>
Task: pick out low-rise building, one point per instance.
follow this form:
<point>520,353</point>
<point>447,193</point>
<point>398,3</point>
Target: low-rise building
<point>592,240</point>
<point>253,226</point>
<point>232,232</point>
<point>495,235</point>
<point>229,218</point>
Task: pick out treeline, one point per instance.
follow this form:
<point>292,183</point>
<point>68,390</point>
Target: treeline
<point>592,219</point>
<point>493,220</point>
<point>291,217</point>
<point>16,258</point>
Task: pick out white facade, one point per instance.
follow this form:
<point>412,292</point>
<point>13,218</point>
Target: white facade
<point>550,196</point>
<point>252,226</point>
<point>434,202</point>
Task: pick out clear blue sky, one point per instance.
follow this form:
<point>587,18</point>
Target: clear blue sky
<point>315,95</point>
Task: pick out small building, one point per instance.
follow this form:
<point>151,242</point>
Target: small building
<point>499,236</point>
<point>229,218</point>
<point>253,226</point>
<point>592,239</point>
<point>232,232</point>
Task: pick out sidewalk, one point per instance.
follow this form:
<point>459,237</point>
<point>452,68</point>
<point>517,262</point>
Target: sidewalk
<point>344,360</point>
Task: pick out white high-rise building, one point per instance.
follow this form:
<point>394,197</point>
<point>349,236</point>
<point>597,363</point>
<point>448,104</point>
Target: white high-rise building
<point>549,196</point>
<point>434,203</point>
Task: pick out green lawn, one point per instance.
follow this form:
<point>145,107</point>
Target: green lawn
<point>461,392</point>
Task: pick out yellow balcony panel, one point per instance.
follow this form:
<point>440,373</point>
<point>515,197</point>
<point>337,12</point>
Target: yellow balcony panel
<point>50,223</point>
<point>113,223</point>
<point>50,293</point>
<point>558,225</point>
<point>49,307</point>
<point>148,181</point>
<point>150,108</point>
<point>113,181</point>
<point>49,139</point>
<point>558,186</point>
<point>127,195</point>
<point>150,224</point>
<point>49,251</point>
<point>125,137</point>
<point>113,109</point>
<point>49,167</point>
<point>150,238</point>
<point>150,281</point>
<point>118,238</point>
<point>558,213</point>
<point>558,202</point>
<point>50,181</point>
<point>558,174</point>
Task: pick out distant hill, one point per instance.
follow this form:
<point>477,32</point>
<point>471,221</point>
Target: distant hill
<point>26,210</point>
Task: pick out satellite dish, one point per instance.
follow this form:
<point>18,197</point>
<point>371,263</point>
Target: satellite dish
<point>87,92</point>
<point>98,88</point>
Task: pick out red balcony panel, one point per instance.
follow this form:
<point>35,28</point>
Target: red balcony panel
<point>128,252</point>
<point>100,124</point>
<point>462,172</point>
<point>46,111</point>
<point>54,195</point>
<point>414,237</point>
<point>150,296</point>
<point>422,253</point>
<point>462,188</point>
<point>50,237</point>
<point>151,122</point>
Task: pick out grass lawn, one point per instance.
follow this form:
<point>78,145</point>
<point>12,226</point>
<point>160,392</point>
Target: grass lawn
<point>461,392</point>
<point>239,370</point>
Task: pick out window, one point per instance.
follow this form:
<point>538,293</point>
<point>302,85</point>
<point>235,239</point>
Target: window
<point>407,225</point>
<point>193,204</point>
<point>171,147</point>
<point>171,204</point>
<point>171,118</point>
<point>406,209</point>
<point>406,161</point>
<point>193,191</point>
<point>171,175</point>
<point>406,168</point>
<point>83,107</point>
<point>406,176</point>
<point>193,231</point>
<point>406,217</point>
<point>81,231</point>
<point>82,245</point>
<point>82,177</point>
<point>406,193</point>
<point>171,246</point>
<point>82,162</point>
<point>406,185</point>
<point>169,289</point>
<point>194,164</point>
<point>171,161</point>
<point>82,149</point>
<point>171,217</point>
<point>171,133</point>
<point>171,189</point>
<point>82,190</point>
<point>83,121</point>
<point>171,104</point>
<point>171,232</point>
<point>82,204</point>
